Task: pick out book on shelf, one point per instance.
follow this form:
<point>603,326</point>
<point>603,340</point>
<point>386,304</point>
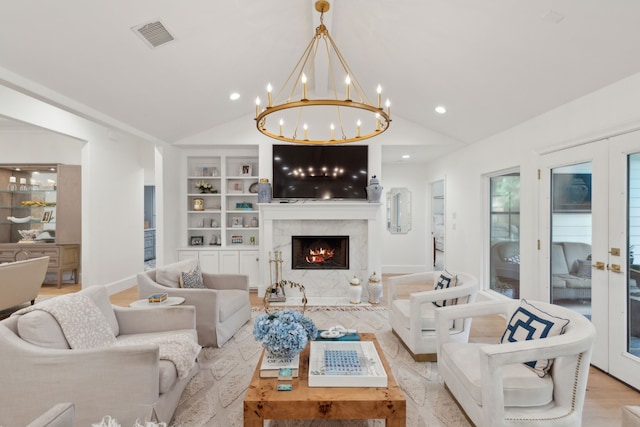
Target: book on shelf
<point>271,365</point>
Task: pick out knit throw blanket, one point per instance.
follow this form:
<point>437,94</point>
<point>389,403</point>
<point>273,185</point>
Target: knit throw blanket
<point>84,326</point>
<point>81,321</point>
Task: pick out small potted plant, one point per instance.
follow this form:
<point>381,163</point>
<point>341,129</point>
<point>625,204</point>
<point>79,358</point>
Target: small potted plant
<point>205,187</point>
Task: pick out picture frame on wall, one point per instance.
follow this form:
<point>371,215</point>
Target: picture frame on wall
<point>245,170</point>
<point>197,241</point>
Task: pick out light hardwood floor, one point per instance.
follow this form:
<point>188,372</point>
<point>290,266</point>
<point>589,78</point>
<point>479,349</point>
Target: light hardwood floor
<point>605,395</point>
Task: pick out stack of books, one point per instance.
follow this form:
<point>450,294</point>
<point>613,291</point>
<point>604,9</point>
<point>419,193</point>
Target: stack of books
<point>275,367</point>
<point>157,298</point>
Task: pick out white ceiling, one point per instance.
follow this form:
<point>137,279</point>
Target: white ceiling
<point>492,63</point>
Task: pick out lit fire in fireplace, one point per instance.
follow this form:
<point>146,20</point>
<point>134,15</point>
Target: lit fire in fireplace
<point>320,255</point>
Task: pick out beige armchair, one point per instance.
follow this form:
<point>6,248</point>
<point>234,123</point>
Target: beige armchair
<point>20,281</point>
<point>412,310</point>
<point>221,309</point>
<point>491,381</point>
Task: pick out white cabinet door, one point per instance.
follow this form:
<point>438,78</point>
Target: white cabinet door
<point>249,265</point>
<point>210,261</point>
<point>184,255</point>
<point>229,262</point>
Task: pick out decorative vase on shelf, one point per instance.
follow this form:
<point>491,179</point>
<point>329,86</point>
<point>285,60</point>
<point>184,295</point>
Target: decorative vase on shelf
<point>374,190</point>
<point>254,222</point>
<point>374,287</point>
<point>264,191</point>
<point>355,291</point>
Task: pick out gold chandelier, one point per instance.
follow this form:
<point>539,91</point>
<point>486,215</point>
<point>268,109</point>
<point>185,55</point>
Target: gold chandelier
<point>343,115</point>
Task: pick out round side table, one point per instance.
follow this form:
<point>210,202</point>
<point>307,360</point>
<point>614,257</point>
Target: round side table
<point>146,304</point>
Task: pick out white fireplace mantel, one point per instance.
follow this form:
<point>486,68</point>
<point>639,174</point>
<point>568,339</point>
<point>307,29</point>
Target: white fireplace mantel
<point>327,214</point>
<point>326,210</point>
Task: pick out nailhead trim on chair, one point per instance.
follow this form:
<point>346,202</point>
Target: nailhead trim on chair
<point>573,398</point>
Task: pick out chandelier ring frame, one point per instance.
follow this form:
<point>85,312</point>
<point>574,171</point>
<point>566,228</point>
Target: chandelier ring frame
<point>384,120</point>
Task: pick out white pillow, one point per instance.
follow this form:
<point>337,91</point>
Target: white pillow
<point>42,329</point>
<point>530,323</point>
<point>169,275</point>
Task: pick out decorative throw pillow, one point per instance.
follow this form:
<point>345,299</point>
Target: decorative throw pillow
<point>530,323</point>
<point>584,268</point>
<point>513,259</point>
<point>192,279</point>
<point>169,275</point>
<point>445,281</point>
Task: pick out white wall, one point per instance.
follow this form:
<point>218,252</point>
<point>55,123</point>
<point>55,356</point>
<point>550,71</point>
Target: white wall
<point>410,252</point>
<point>603,113</point>
<point>112,182</point>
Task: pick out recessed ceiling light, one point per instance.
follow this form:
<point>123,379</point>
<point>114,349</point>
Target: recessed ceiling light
<point>406,156</point>
<point>234,96</point>
<point>441,109</point>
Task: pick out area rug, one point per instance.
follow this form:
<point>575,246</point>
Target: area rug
<point>214,396</point>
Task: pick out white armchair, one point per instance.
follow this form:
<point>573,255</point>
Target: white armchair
<point>412,312</point>
<point>493,385</point>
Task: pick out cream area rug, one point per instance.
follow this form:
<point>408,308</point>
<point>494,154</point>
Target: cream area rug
<point>214,396</point>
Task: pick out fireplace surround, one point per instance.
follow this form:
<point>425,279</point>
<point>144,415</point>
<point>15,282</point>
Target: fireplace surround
<point>360,221</point>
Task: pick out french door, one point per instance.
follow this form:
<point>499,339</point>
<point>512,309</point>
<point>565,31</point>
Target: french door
<point>589,218</point>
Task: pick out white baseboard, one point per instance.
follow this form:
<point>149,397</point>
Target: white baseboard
<point>122,285</point>
<point>405,269</point>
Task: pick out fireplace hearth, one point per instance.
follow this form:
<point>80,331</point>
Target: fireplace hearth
<point>320,252</point>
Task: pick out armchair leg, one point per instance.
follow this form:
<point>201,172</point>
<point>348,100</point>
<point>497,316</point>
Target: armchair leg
<point>423,357</point>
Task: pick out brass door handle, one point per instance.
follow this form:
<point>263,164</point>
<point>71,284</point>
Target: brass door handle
<point>598,265</point>
<point>614,268</point>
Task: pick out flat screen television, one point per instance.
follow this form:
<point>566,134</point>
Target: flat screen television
<point>320,172</point>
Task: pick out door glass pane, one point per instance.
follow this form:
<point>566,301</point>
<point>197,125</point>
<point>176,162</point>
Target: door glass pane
<point>633,236</point>
<point>571,237</point>
<point>504,257</point>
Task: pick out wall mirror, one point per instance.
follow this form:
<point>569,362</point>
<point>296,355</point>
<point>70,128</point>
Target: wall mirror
<point>399,210</point>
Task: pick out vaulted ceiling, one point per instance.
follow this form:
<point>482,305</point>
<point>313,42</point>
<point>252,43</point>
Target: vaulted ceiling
<point>492,63</point>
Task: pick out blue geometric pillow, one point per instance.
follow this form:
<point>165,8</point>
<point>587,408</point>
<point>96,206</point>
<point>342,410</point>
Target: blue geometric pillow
<point>530,323</point>
<point>444,282</point>
<point>192,279</point>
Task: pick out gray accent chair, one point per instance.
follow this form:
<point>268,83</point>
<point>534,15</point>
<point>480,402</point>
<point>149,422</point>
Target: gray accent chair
<point>128,382</point>
<point>221,309</point>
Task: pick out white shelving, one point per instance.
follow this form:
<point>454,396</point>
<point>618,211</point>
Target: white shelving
<point>223,227</point>
<point>229,216</point>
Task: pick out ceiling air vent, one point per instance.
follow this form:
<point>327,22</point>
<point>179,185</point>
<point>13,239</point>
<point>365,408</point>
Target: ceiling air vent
<point>154,34</point>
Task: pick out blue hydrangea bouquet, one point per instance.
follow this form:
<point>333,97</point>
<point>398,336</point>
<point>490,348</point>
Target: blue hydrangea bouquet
<point>284,333</point>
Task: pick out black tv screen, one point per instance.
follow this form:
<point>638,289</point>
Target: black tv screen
<point>320,172</point>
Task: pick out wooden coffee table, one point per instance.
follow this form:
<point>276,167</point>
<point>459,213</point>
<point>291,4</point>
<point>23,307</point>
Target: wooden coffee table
<point>263,402</point>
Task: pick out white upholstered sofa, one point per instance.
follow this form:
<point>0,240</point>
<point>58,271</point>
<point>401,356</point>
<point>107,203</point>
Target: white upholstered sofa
<point>570,266</point>
<point>20,281</point>
<point>127,381</point>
